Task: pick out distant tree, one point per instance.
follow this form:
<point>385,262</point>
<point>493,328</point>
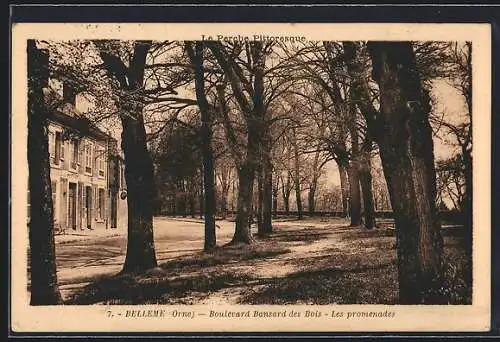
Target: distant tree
<point>254,87</point>
<point>451,182</point>
<point>176,157</point>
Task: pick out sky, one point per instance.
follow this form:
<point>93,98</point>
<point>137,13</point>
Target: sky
<point>448,102</point>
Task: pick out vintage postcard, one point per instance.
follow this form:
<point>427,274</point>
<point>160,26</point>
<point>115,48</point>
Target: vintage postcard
<point>236,177</point>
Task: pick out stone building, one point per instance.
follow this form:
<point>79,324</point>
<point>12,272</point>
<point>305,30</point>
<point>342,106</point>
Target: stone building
<point>86,171</point>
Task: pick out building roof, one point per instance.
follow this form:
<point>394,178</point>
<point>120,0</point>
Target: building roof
<point>80,125</point>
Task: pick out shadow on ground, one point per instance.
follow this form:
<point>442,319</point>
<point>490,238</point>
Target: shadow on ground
<point>357,266</point>
<point>184,280</point>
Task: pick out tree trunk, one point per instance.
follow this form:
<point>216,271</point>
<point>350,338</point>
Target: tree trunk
<point>44,289</point>
<point>225,185</point>
<point>267,185</point>
<point>139,173</point>
<point>275,196</point>
<point>140,195</point>
<point>365,179</point>
<point>202,193</point>
<point>404,136</point>
<point>260,202</point>
<point>311,202</point>
<point>344,187</point>
<point>354,193</point>
<point>285,191</point>
<point>298,198</point>
<point>242,233</point>
<point>196,57</point>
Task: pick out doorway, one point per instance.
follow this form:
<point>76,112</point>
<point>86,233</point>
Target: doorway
<point>88,206</point>
<point>72,206</point>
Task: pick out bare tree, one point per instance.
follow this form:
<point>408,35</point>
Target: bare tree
<point>196,56</point>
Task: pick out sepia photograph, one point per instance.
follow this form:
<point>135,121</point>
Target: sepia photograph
<point>235,175</point>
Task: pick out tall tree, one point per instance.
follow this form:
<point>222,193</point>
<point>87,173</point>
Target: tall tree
<point>404,136</point>
<point>250,99</point>
<point>44,288</point>
<point>360,94</point>
<point>139,173</point>
<point>196,56</point>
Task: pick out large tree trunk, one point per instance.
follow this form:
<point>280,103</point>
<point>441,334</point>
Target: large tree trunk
<point>354,193</point>
<point>404,136</point>
<point>196,56</point>
<point>242,233</point>
<point>139,172</point>
<point>344,188</point>
<point>140,195</point>
<point>44,289</point>
<point>365,179</point>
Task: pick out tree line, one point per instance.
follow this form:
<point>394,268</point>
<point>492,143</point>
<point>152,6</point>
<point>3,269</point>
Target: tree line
<point>265,116</point>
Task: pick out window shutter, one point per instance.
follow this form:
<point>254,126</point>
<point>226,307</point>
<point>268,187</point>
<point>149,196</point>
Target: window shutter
<point>63,145</point>
<point>105,204</point>
<point>94,159</point>
<point>84,206</point>
<point>64,206</point>
<point>80,205</point>
<point>81,157</point>
<point>95,203</point>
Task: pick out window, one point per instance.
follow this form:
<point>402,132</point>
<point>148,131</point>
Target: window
<point>88,158</point>
<point>54,193</point>
<point>74,156</point>
<point>101,203</point>
<point>100,162</point>
<point>59,149</point>
<point>52,148</point>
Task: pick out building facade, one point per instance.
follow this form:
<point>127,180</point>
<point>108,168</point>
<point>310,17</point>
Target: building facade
<point>87,176</point>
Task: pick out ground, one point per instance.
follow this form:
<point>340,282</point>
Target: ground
<point>313,261</point>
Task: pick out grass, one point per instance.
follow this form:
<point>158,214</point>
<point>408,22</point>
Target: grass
<point>183,280</point>
<point>335,265</point>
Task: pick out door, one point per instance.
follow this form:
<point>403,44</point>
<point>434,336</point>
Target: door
<point>88,206</point>
<point>72,206</point>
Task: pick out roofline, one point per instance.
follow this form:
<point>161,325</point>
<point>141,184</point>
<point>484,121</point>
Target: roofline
<point>91,130</point>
